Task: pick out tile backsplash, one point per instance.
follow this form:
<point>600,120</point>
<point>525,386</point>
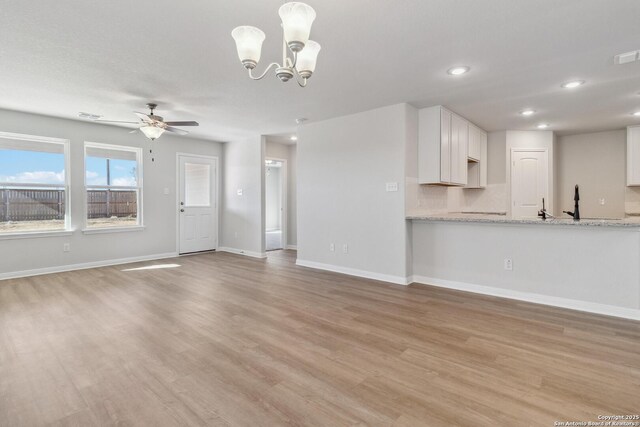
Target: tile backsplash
<point>434,199</point>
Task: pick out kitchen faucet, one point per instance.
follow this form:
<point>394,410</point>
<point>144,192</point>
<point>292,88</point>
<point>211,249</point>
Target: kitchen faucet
<point>543,213</point>
<point>576,210</point>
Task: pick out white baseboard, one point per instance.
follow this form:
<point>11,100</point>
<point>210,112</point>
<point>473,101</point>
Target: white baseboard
<point>242,252</point>
<point>398,280</point>
<point>591,307</point>
<point>292,247</point>
<point>84,265</point>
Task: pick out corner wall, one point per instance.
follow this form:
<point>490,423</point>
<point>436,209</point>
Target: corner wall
<point>243,191</point>
<point>344,165</point>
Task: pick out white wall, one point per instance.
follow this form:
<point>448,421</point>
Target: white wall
<point>589,268</point>
<point>243,214</point>
<point>343,166</point>
<point>273,198</point>
<point>287,152</point>
<point>596,162</point>
<point>160,210</point>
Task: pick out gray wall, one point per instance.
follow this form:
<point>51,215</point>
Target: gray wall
<point>343,166</point>
<point>243,215</point>
<point>596,162</point>
<point>159,237</point>
<point>289,153</point>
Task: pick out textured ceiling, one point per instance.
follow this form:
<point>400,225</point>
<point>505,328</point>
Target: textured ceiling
<point>112,57</point>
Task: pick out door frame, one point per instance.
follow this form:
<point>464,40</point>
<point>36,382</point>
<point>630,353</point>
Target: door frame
<point>550,204</point>
<point>284,188</point>
<point>216,162</point>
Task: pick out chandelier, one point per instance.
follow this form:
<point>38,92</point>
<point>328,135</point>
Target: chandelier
<point>296,24</point>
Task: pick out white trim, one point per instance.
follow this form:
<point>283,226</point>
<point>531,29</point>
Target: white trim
<point>35,234</point>
<point>292,247</point>
<point>590,307</point>
<point>398,280</point>
<point>242,252</point>
<point>216,160</point>
<point>113,229</point>
<point>83,266</point>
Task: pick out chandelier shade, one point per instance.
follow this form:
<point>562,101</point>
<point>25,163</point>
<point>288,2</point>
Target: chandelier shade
<point>307,58</point>
<point>296,22</point>
<point>152,132</point>
<point>248,43</point>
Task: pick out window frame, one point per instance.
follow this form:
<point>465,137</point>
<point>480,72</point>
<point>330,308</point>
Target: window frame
<point>67,230</point>
<point>139,188</point>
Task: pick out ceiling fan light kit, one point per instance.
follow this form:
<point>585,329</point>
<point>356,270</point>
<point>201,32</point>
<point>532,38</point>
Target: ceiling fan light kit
<point>296,24</point>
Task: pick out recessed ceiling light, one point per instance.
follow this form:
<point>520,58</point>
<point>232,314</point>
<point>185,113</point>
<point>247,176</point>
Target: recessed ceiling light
<point>543,125</point>
<point>573,84</point>
<point>293,138</point>
<point>456,71</point>
<point>527,112</point>
<point>637,114</point>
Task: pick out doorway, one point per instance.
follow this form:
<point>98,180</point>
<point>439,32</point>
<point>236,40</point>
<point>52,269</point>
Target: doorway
<point>529,182</point>
<point>275,203</point>
<point>197,203</point>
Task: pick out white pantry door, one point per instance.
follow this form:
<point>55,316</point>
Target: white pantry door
<point>529,183</point>
<point>197,204</point>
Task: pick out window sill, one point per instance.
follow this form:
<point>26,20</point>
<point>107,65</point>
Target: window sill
<point>35,234</point>
<point>113,229</point>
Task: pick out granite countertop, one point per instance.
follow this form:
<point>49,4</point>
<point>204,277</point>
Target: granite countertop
<point>499,218</point>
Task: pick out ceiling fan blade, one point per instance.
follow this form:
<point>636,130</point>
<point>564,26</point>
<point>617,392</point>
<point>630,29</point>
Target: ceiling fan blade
<point>143,117</point>
<point>116,121</point>
<point>176,130</point>
<point>182,123</point>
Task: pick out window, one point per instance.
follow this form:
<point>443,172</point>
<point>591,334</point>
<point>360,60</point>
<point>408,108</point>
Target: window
<point>34,184</point>
<point>113,186</point>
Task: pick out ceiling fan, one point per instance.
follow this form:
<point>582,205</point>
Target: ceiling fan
<point>153,126</point>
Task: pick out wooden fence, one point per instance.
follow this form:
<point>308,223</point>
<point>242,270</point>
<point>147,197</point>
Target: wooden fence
<point>40,205</point>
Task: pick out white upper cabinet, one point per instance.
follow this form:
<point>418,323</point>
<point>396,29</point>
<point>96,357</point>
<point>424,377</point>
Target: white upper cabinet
<point>477,170</point>
<point>633,155</point>
<point>446,143</point>
<point>459,149</point>
<point>475,141</point>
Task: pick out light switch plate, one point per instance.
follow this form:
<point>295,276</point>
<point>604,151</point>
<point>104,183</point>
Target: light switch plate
<point>166,190</point>
<point>392,186</point>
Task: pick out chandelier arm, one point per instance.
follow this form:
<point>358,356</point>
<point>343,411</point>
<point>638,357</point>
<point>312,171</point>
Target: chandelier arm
<point>264,73</point>
<point>304,79</point>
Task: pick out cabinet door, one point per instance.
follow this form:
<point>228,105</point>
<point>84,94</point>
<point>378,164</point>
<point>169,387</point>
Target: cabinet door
<point>459,147</point>
<point>633,155</point>
<point>475,136</point>
<point>483,160</point>
<point>445,146</point>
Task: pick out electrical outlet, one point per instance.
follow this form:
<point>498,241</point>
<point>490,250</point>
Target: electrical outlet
<point>508,264</point>
<point>66,247</point>
<point>235,234</point>
<point>332,247</point>
<point>392,186</point>
<point>601,201</point>
<point>166,191</point>
<point>345,249</point>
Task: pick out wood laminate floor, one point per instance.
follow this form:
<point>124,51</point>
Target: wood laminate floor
<point>226,340</point>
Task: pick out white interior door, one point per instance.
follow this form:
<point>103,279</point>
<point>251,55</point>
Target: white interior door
<point>529,183</point>
<point>197,204</point>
